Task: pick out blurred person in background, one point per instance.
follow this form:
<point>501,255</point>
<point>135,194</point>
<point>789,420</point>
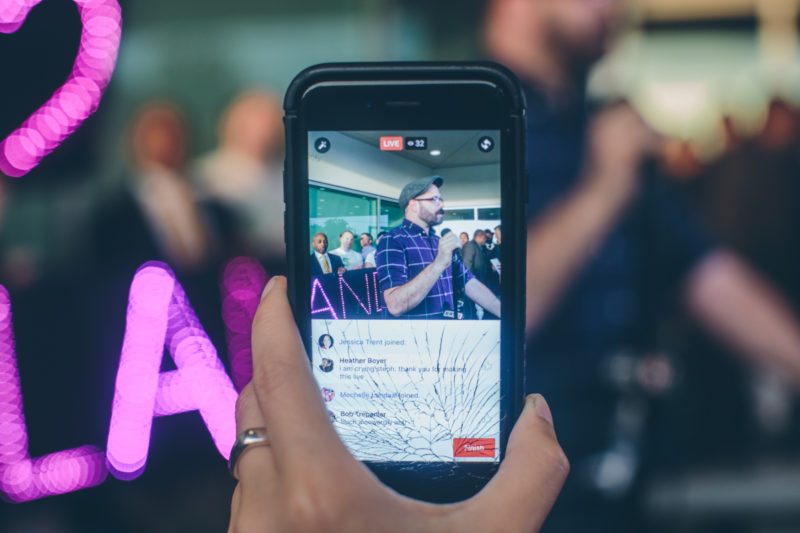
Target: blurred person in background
<point>156,214</point>
<point>464,238</point>
<point>244,174</point>
<point>352,260</point>
<point>498,241</point>
<point>606,243</point>
<point>365,240</point>
<point>489,244</point>
<point>476,258</point>
<point>751,195</point>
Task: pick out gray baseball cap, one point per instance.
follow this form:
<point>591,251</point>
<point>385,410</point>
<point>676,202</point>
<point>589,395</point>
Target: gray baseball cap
<point>417,187</point>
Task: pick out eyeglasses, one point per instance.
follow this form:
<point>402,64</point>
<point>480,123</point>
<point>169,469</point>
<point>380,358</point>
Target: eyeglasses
<point>435,199</point>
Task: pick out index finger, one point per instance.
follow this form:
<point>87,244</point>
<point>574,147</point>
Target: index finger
<point>290,401</point>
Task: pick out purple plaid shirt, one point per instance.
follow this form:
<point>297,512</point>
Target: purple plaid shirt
<point>403,254</point>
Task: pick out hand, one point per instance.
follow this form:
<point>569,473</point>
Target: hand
<point>341,270</point>
<point>619,142</point>
<point>447,245</point>
<point>306,480</point>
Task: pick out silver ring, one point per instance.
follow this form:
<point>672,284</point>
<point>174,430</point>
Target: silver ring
<point>246,440</point>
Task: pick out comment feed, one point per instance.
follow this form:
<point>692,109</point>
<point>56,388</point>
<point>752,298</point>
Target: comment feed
<point>411,390</point>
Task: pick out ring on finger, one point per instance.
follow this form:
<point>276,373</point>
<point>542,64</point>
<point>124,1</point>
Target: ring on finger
<point>247,439</point>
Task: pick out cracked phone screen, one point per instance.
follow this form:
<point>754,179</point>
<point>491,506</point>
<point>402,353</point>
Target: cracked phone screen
<point>404,247</point>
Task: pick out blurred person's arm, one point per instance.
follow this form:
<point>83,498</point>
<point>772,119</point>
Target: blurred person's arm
<point>564,237</point>
<point>745,312</point>
<point>481,295</point>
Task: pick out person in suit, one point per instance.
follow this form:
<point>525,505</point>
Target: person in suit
<point>323,262</point>
<point>476,258</point>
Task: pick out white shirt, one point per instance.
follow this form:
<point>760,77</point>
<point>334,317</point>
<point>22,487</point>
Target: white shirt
<point>370,259</point>
<point>322,262</point>
<point>350,258</point>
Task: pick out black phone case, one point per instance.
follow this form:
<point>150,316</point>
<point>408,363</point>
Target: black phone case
<point>512,327</point>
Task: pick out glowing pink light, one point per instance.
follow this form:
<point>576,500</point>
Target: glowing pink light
<point>207,383</point>
<point>243,280</point>
<point>315,287</point>
<point>159,316</point>
<point>137,376</point>
<point>343,284</point>
<point>378,307</point>
<point>80,95</point>
<point>23,478</point>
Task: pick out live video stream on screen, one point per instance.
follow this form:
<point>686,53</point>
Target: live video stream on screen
<point>404,243</point>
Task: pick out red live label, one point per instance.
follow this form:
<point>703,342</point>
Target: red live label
<point>473,448</point>
<point>391,144</point>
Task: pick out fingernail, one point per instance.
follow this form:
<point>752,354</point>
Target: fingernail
<point>269,286</point>
<point>542,409</point>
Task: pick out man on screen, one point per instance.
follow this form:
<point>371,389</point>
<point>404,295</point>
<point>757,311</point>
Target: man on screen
<point>351,259</point>
<point>321,261</point>
<point>416,268</point>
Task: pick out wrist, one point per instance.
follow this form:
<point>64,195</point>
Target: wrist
<point>441,262</point>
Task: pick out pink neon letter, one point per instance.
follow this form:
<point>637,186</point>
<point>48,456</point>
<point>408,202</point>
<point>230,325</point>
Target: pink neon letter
<point>23,478</point>
<point>159,316</point>
<point>80,95</point>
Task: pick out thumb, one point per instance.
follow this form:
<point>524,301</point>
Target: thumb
<point>534,470</point>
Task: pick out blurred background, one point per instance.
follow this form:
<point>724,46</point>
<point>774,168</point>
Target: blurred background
<point>182,163</point>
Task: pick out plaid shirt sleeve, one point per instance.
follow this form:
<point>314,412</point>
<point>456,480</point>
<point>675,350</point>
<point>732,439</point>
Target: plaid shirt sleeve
<point>390,260</point>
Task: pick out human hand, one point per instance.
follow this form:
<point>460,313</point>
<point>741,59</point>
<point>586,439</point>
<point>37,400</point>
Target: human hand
<point>618,143</point>
<point>341,270</point>
<point>447,245</point>
<point>306,480</point>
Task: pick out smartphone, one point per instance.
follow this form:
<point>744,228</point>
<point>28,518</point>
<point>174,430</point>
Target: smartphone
<point>415,340</point>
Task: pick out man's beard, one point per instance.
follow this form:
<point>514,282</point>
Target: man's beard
<point>432,219</point>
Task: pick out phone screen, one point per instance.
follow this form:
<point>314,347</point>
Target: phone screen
<point>405,337</point>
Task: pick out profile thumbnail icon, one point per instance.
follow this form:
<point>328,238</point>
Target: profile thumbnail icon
<point>327,394</point>
<point>325,341</point>
<point>326,365</point>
